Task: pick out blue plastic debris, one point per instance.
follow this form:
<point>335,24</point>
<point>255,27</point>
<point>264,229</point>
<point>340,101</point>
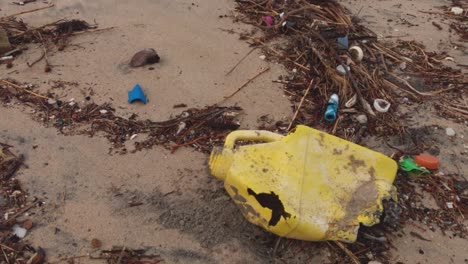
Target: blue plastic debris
<point>136,94</point>
<point>344,43</point>
<point>332,108</point>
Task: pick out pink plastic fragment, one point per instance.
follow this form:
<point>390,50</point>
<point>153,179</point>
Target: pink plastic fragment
<point>269,20</point>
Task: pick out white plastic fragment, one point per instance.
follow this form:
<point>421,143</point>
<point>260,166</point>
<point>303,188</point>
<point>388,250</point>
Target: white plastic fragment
<point>449,59</point>
<point>357,53</point>
<point>450,132</point>
<point>133,136</point>
<point>181,127</point>
<point>402,66</point>
<point>19,231</point>
<point>362,119</point>
<point>51,101</point>
<point>342,70</point>
<point>103,111</point>
<point>457,10</point>
<point>6,58</point>
<point>381,105</point>
<point>450,205</point>
<point>262,57</point>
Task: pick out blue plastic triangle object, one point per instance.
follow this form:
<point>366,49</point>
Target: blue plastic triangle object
<point>344,42</point>
<point>136,94</point>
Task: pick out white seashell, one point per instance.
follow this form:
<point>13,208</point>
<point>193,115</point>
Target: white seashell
<point>351,102</point>
<point>357,53</point>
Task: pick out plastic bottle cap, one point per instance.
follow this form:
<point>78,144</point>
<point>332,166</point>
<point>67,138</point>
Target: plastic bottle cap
<point>427,161</point>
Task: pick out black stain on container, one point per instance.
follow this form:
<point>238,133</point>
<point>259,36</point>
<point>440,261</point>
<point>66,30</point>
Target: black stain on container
<point>271,201</point>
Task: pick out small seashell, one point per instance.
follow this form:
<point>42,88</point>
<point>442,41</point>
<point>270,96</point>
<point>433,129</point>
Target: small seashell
<point>356,53</point>
<point>351,102</point>
<point>381,105</point>
<point>182,126</point>
<point>450,132</point>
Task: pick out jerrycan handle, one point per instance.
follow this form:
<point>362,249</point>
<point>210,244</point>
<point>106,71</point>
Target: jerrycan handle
<point>255,135</point>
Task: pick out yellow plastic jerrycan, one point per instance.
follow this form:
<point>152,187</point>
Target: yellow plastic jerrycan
<point>307,185</point>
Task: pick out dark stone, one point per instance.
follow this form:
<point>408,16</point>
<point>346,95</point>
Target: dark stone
<point>143,57</point>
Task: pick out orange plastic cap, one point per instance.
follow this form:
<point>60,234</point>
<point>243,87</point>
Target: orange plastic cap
<point>426,160</point>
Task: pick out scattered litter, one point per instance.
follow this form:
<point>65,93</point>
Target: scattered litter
<point>207,125</point>
<point>6,58</point>
<point>356,53</point>
<point>136,94</point>
<point>51,101</point>
<point>332,108</point>
<point>457,10</point>
<point>381,105</point>
<point>450,132</point>
<point>407,164</point>
<point>267,192</point>
<point>427,161</point>
<point>24,2</point>
<point>133,136</point>
<point>362,119</point>
<point>343,69</point>
<point>269,20</point>
<point>450,205</point>
<point>449,59</point>
<point>343,42</point>
<point>103,111</point>
<point>57,33</point>
<point>19,231</point>
<point>262,57</point>
<point>143,57</point>
<point>287,24</point>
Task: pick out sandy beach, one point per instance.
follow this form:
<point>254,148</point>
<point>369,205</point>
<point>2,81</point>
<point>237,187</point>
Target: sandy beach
<point>185,216</point>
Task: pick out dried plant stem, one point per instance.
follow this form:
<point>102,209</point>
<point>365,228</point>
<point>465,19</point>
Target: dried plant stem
<point>21,88</point>
<point>300,104</point>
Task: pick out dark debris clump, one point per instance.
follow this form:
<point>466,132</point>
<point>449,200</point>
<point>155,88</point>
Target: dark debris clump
<point>199,128</point>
